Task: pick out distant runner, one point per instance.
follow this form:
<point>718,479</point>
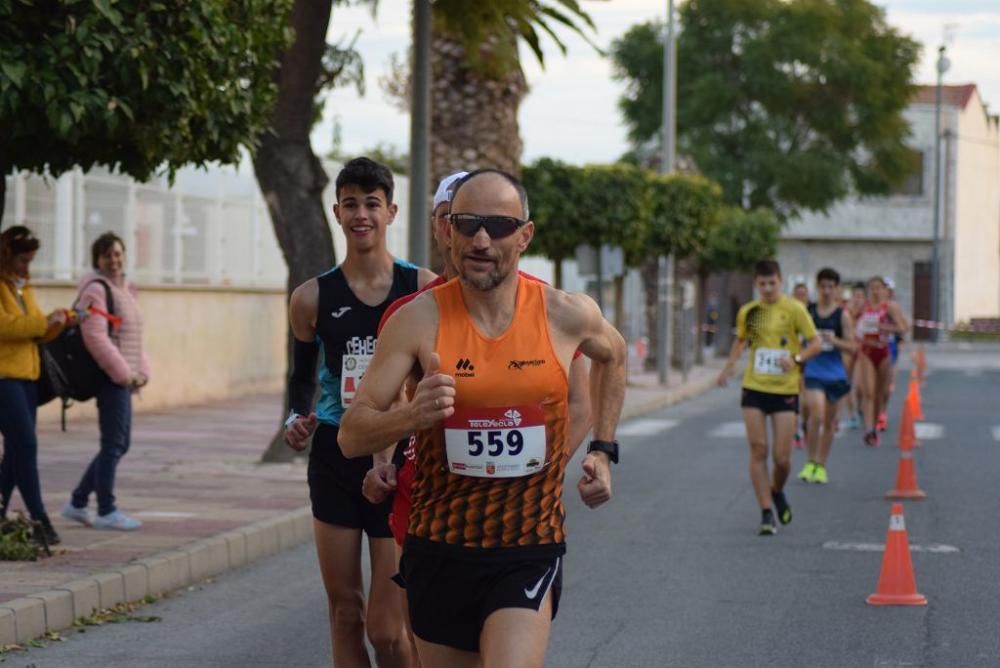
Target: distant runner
<point>771,326</point>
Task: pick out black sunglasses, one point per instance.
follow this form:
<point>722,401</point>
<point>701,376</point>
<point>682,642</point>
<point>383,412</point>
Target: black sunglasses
<point>497,227</point>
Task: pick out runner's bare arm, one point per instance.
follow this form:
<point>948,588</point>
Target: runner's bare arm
<point>302,309</point>
<point>735,351</point>
<point>579,403</point>
<point>846,343</point>
<point>372,420</point>
<point>425,276</point>
<point>900,324</point>
<point>579,320</point>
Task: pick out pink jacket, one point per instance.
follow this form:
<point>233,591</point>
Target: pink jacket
<point>121,355</point>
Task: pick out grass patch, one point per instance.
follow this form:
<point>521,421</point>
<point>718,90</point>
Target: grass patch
<point>17,542</point>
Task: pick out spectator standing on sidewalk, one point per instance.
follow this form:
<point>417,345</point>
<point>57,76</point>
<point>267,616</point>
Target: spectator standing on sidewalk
<point>22,326</point>
<point>120,355</point>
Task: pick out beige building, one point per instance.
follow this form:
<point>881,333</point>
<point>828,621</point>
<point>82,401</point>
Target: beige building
<point>891,236</point>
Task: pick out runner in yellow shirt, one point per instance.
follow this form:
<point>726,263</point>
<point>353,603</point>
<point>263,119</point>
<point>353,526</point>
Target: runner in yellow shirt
<point>771,326</point>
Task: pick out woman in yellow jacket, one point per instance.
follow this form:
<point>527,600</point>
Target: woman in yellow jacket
<point>22,327</point>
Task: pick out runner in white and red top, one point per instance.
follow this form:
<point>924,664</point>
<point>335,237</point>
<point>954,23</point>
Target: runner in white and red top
<point>879,320</point>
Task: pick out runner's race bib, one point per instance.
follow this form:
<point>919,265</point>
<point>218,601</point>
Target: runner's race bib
<point>352,370</point>
<point>767,361</point>
<point>825,336</point>
<point>869,325</point>
<point>496,442</point>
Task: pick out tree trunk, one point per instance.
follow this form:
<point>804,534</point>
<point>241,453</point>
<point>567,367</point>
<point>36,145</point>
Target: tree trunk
<point>474,116</point>
<point>723,333</point>
<point>619,285</point>
<point>650,272</point>
<point>557,272</point>
<point>701,316</point>
<point>290,175</point>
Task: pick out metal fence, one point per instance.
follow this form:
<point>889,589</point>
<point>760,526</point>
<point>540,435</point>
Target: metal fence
<point>210,228</point>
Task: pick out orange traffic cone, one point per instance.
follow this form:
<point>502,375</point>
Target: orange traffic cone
<point>907,434</point>
<point>913,399</point>
<point>896,583</point>
<point>906,479</point>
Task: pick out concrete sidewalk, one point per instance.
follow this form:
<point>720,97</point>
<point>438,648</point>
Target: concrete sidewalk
<point>192,476</point>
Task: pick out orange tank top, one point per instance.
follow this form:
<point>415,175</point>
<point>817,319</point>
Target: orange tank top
<point>491,476</point>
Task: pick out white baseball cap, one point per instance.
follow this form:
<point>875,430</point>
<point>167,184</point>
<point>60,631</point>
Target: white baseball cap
<point>444,191</point>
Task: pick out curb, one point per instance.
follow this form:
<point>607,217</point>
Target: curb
<point>670,397</point>
<point>29,617</point>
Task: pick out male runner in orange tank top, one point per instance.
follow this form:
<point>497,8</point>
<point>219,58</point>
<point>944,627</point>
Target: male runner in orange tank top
<point>484,548</point>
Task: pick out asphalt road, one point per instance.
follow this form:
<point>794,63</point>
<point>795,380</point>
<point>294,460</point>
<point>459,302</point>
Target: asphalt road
<point>672,573</point>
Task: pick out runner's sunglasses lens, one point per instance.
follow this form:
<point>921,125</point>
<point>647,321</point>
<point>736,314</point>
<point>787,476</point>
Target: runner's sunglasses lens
<point>497,227</point>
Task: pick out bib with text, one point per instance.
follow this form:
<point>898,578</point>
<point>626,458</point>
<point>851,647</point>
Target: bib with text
<point>496,442</point>
<point>352,370</point>
<point>767,361</point>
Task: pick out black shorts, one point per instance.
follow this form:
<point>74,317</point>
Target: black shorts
<point>335,487</point>
<point>768,403</point>
<point>451,597</point>
<point>834,390</point>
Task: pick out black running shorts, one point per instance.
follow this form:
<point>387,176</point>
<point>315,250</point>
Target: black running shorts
<point>835,390</point>
<point>768,403</point>
<point>335,487</point>
<point>450,598</point>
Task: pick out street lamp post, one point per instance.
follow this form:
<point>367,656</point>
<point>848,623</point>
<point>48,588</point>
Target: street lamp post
<point>667,160</point>
<point>942,67</point>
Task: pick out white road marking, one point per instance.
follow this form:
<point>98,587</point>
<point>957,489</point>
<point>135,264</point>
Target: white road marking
<point>996,432</point>
<point>734,429</point>
<point>162,514</point>
<point>645,427</point>
<point>973,373</point>
<point>880,547</point>
<point>929,431</point>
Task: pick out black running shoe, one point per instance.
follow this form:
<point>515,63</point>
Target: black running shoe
<point>45,534</point>
<point>782,507</point>
<point>767,526</point>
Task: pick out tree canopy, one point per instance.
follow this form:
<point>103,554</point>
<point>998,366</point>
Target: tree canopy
<point>135,86</point>
<point>787,104</point>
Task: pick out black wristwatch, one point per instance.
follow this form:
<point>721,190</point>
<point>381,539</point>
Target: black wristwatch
<point>610,448</point>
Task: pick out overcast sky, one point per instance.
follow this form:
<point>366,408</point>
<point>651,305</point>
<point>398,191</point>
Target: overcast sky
<point>575,97</point>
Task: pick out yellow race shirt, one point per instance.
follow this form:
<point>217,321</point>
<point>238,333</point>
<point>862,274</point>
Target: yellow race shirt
<point>772,332</point>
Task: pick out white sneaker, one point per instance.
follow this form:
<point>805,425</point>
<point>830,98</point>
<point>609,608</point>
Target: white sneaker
<point>84,516</point>
<point>116,520</point>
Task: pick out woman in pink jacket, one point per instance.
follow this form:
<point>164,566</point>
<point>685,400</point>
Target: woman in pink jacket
<point>120,355</point>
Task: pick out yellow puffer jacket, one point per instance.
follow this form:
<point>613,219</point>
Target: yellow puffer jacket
<point>19,331</point>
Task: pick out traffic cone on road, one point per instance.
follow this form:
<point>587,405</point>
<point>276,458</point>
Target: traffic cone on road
<point>906,479</point>
<point>896,582</point>
<point>913,399</point>
<point>907,432</point>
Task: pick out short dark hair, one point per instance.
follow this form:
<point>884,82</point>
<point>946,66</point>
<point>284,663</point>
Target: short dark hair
<point>17,240</point>
<point>800,285</point>
<point>858,286</point>
<point>102,245</point>
<point>877,278</point>
<point>767,268</point>
<point>510,178</point>
<point>828,274</point>
<point>368,175</point>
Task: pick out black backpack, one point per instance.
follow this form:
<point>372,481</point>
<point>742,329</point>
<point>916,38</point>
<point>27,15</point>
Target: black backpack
<point>69,371</point>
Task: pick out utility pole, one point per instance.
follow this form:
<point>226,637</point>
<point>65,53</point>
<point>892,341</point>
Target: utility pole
<point>942,66</point>
<point>665,268</point>
<point>420,130</point>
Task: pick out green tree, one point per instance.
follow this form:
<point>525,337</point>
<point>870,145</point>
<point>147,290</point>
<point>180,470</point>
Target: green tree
<point>551,187</point>
<point>134,86</point>
<point>740,239</point>
<point>686,211</point>
<point>789,105</point>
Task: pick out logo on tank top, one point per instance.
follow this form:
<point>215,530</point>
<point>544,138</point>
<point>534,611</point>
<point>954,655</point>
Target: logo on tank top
<point>341,311</point>
<point>465,368</point>
<point>519,365</point>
